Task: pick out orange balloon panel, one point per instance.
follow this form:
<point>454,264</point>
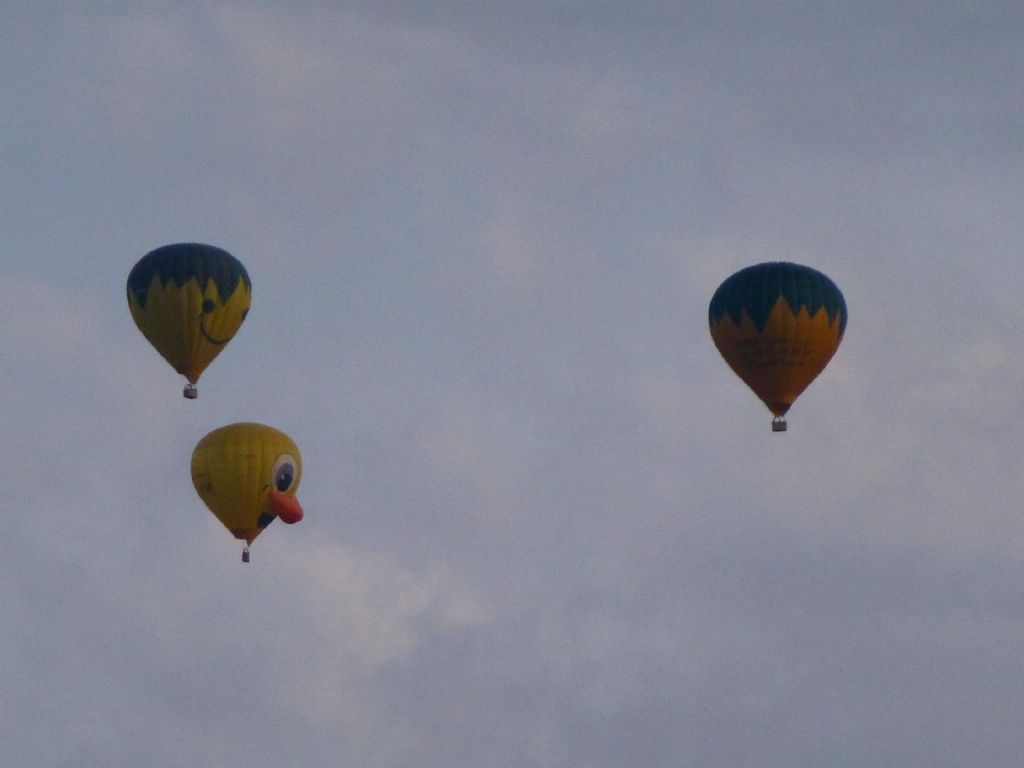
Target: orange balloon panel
<point>777,326</point>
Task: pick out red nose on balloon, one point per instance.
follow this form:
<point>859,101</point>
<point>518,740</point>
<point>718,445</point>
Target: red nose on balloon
<point>286,507</point>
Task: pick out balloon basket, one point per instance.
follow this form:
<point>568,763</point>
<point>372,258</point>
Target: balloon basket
<point>191,391</point>
<point>245,555</point>
<point>778,424</point>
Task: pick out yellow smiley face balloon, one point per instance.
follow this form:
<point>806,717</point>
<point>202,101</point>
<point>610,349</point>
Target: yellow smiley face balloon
<point>247,475</point>
<point>189,300</point>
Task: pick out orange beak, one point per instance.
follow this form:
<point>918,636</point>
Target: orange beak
<point>285,507</point>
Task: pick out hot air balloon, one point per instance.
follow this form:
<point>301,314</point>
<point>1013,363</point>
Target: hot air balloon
<point>189,300</point>
<point>247,474</point>
<point>777,325</point>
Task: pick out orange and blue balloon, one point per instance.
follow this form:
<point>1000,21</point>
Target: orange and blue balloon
<point>777,325</point>
<point>189,300</point>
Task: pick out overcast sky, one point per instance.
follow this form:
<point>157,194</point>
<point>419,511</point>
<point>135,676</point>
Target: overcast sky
<point>546,526</point>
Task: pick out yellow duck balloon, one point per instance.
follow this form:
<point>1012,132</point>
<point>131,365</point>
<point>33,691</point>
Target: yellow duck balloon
<point>247,474</point>
<point>189,300</point>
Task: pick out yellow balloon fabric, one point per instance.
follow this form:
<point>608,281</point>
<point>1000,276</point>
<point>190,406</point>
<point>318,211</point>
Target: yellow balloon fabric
<point>247,475</point>
<point>189,300</point>
<point>777,325</point>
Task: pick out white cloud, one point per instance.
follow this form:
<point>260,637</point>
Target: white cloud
<point>341,615</point>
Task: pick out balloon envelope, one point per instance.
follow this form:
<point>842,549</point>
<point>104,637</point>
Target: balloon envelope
<point>247,475</point>
<point>777,325</point>
<point>189,300</point>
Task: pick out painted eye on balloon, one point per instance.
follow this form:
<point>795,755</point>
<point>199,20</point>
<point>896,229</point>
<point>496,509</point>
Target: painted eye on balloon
<point>208,306</point>
<point>284,472</point>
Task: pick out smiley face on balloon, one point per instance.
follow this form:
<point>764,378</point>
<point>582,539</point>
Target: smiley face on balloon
<point>189,300</point>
